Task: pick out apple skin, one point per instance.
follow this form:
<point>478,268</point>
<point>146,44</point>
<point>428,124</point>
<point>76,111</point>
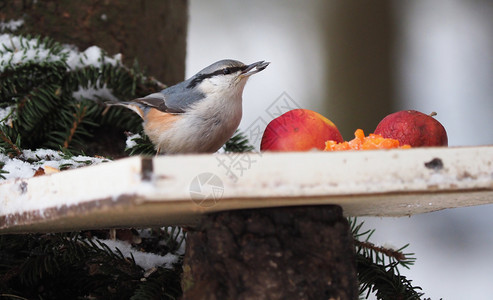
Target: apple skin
<point>299,130</point>
<point>411,127</point>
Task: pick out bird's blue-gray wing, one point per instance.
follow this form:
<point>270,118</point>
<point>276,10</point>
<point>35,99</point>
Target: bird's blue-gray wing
<point>175,99</point>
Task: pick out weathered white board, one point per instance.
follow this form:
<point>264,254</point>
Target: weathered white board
<point>168,190</point>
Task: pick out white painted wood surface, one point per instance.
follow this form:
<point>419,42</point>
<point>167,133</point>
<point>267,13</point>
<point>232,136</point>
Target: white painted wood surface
<point>178,189</point>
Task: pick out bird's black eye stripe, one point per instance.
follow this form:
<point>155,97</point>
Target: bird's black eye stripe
<point>223,71</point>
<point>230,70</point>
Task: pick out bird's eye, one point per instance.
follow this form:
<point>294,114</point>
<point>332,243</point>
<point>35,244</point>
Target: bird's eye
<point>226,71</point>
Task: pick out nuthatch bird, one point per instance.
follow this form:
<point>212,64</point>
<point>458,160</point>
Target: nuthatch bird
<point>199,114</point>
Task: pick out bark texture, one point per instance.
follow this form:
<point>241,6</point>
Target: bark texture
<point>273,253</point>
<point>153,31</point>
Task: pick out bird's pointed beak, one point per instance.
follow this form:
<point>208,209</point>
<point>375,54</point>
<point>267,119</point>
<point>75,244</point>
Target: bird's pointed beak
<point>254,68</point>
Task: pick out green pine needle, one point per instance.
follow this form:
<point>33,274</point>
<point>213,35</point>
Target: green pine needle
<point>238,143</point>
<point>378,267</point>
<point>48,109</point>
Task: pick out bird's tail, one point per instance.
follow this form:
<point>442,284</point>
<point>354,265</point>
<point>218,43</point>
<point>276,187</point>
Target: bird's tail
<point>135,107</point>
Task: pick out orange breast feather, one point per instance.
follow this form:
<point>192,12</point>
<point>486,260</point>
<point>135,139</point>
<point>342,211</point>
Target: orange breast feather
<point>157,121</point>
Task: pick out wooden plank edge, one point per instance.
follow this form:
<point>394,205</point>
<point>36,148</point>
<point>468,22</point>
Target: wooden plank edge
<point>133,211</point>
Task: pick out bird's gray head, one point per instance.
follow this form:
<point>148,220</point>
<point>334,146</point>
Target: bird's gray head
<point>225,74</point>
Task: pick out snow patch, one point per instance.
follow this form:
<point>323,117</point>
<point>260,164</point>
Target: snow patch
<point>11,25</point>
<point>92,93</point>
<point>144,260</point>
<point>390,245</point>
<point>6,115</point>
<point>92,56</point>
<point>16,50</point>
<point>16,168</point>
<point>29,161</point>
<point>130,142</point>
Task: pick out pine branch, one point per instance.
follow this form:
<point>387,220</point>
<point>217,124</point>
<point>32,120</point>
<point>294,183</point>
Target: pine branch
<point>391,253</point>
<point>143,146</point>
<point>12,296</point>
<point>9,147</point>
<point>384,281</point>
<point>59,105</point>
<point>238,143</point>
<point>78,116</point>
<point>45,88</point>
<point>2,164</point>
<point>161,284</point>
<point>69,266</point>
<point>378,267</point>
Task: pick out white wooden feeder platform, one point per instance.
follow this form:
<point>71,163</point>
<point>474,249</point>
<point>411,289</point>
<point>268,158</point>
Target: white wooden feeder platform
<point>165,190</point>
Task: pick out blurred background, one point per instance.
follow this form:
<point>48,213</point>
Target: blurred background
<point>352,61</point>
<point>357,61</point>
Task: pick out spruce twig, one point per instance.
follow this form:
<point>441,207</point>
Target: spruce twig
<point>45,90</point>
<point>11,145</point>
<point>67,266</point>
<point>238,143</point>
<point>78,116</point>
<point>13,296</point>
<point>378,267</point>
<point>391,253</point>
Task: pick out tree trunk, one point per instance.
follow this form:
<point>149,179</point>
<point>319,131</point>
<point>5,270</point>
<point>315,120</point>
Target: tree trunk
<point>272,253</point>
<point>360,63</point>
<point>153,31</point>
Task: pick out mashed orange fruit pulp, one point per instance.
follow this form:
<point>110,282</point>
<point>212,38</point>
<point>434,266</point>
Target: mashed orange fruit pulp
<point>360,142</point>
